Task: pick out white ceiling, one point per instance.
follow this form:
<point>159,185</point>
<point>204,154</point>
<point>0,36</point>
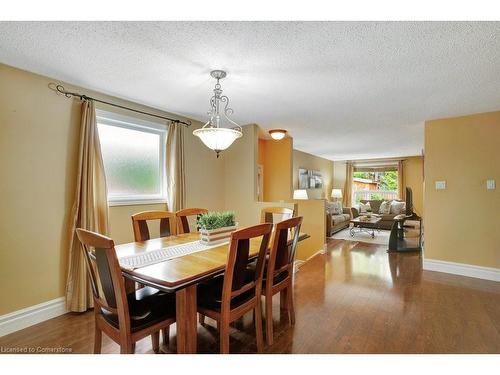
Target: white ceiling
<point>344,90</point>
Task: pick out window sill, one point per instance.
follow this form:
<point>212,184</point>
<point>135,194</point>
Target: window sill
<point>136,202</point>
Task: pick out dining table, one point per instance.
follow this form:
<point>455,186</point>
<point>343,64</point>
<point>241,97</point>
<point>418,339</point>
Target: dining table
<point>181,275</point>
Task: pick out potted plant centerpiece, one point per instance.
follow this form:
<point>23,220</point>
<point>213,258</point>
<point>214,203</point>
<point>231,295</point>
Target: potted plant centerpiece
<point>216,226</point>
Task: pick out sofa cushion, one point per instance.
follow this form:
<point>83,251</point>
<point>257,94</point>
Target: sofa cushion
<point>337,219</point>
<point>336,208</point>
<point>398,207</point>
<point>385,208</point>
<point>364,207</point>
<point>374,204</point>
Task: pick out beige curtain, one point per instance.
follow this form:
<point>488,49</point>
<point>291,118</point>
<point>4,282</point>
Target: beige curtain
<point>401,181</point>
<point>347,198</point>
<point>176,185</point>
<point>90,209</point>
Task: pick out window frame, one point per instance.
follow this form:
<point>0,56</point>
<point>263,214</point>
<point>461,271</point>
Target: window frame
<point>138,124</point>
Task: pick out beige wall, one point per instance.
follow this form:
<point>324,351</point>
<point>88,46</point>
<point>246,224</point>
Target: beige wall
<point>414,179</point>
<point>277,162</point>
<point>39,135</point>
<point>339,175</point>
<point>462,221</point>
<point>308,161</point>
<point>240,176</point>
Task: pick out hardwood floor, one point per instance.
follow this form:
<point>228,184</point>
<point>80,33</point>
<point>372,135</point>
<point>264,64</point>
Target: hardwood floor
<point>356,298</point>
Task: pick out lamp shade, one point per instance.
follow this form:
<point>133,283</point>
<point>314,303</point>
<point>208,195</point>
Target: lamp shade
<point>300,194</point>
<point>336,193</point>
<point>217,139</point>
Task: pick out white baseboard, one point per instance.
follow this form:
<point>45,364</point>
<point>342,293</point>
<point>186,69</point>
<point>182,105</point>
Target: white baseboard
<point>29,316</point>
<point>462,269</point>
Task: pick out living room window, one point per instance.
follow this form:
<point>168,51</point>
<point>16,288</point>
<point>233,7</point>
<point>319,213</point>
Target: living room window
<point>133,152</point>
<point>373,183</point>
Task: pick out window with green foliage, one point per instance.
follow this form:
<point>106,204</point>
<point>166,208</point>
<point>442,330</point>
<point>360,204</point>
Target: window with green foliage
<point>133,153</point>
<point>369,185</point>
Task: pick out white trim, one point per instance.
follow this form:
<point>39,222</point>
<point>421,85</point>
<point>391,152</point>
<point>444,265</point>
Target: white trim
<point>136,202</point>
<point>28,316</point>
<point>469,270</point>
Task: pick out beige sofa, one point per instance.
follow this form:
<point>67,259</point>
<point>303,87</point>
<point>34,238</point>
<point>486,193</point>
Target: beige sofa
<point>335,223</point>
<point>387,219</point>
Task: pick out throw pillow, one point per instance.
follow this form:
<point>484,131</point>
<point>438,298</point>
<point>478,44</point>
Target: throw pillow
<point>336,208</point>
<point>364,208</point>
<point>385,208</point>
<point>398,207</point>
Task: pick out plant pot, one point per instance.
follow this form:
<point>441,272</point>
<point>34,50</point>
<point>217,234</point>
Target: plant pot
<point>218,235</point>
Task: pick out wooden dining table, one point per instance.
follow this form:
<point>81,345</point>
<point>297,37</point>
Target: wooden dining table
<point>180,276</point>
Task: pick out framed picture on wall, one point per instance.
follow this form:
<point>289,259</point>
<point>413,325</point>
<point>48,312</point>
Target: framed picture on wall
<point>310,179</point>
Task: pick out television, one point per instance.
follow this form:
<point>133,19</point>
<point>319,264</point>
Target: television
<point>409,202</point>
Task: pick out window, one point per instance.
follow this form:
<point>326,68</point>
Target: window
<point>133,152</point>
<point>374,184</point>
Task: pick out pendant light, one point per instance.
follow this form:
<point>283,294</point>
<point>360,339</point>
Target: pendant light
<point>220,131</point>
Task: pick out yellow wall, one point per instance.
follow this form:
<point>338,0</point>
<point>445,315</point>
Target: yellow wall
<point>414,179</point>
<point>308,161</point>
<point>277,162</point>
<point>314,224</point>
<point>462,221</point>
<point>39,136</point>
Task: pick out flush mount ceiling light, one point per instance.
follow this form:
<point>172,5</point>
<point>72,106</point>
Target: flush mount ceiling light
<point>277,134</point>
<point>214,134</point>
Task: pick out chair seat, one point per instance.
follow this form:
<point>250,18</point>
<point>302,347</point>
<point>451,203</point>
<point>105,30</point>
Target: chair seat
<point>209,293</point>
<point>147,306</point>
<point>277,278</point>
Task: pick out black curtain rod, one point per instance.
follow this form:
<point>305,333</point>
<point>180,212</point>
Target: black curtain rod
<point>68,94</point>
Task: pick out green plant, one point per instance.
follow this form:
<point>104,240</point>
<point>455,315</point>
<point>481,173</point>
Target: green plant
<point>215,220</point>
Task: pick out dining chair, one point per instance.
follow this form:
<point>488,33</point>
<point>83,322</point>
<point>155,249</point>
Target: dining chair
<point>141,233</point>
<point>278,273</point>
<point>228,297</point>
<point>184,214</point>
<point>140,224</point>
<point>276,214</point>
<point>125,318</point>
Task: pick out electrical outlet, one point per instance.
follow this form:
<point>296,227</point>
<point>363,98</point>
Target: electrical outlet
<point>490,184</point>
<point>440,185</point>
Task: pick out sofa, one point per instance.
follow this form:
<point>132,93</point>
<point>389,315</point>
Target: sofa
<point>336,221</point>
<point>386,219</point>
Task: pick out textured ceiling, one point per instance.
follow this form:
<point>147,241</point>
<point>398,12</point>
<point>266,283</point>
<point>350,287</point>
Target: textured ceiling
<point>344,90</point>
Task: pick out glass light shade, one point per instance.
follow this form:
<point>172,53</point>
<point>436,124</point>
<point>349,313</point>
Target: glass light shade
<point>217,139</point>
<point>336,193</point>
<point>277,134</point>
<point>300,194</point>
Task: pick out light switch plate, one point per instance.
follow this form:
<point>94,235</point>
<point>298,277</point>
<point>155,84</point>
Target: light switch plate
<point>440,185</point>
<point>490,184</point>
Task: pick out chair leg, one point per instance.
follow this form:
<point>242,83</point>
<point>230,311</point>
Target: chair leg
<point>97,340</point>
<point>291,307</point>
<point>155,341</point>
<point>269,319</point>
<point>202,319</point>
<point>166,336</point>
<point>258,327</point>
<point>224,337</point>
<point>127,348</point>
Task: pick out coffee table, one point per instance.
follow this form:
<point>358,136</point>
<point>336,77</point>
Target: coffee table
<point>365,224</point>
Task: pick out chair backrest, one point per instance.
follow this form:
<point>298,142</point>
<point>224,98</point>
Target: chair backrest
<point>236,278</point>
<point>276,214</point>
<point>140,225</point>
<point>282,255</point>
<point>103,259</point>
<point>182,217</point>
